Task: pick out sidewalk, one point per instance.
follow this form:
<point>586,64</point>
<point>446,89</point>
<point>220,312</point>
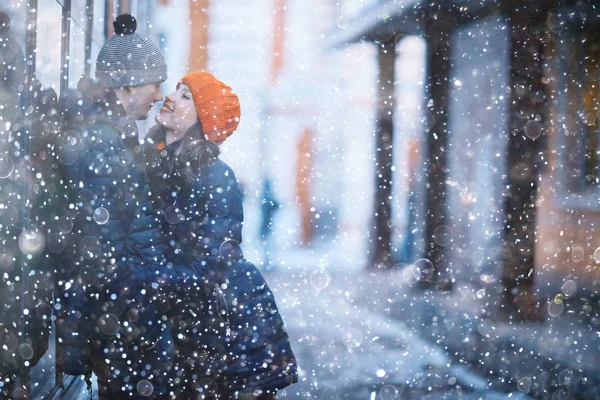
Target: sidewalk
<point>440,335</point>
<point>349,346</point>
<point>554,359</point>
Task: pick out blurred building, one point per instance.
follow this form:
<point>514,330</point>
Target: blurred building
<point>507,194</point>
<point>508,181</point>
<point>307,122</point>
<point>308,125</point>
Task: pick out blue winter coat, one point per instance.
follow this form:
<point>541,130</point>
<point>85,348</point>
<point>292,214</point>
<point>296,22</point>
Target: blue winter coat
<point>252,350</point>
<point>115,281</point>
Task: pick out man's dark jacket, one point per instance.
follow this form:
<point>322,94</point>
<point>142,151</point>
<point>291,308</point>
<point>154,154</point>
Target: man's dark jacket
<point>115,284</point>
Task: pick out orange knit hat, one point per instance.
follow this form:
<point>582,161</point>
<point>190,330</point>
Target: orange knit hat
<point>217,105</point>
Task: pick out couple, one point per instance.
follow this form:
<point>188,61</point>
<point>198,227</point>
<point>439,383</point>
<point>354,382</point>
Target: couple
<point>156,298</point>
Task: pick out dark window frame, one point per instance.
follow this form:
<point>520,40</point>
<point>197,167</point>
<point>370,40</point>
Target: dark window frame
<point>574,73</point>
<point>24,380</point>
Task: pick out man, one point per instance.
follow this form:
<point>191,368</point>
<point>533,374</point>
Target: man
<point>113,275</point>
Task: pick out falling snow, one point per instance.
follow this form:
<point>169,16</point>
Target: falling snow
<point>416,184</point>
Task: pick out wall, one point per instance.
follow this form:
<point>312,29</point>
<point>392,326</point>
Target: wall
<point>568,243</point>
<point>477,148</point>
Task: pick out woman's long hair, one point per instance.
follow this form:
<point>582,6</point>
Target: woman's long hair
<point>185,157</point>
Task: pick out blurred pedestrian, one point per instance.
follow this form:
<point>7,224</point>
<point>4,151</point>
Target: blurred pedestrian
<point>268,207</point>
<point>408,247</point>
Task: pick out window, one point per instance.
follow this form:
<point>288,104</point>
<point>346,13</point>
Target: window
<point>32,46</point>
<point>589,45</point>
<point>574,72</point>
<point>48,57</point>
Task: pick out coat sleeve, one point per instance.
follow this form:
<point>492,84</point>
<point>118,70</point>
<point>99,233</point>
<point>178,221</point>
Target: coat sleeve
<point>260,355</point>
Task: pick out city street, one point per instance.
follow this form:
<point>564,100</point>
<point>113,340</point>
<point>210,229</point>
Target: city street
<point>347,351</point>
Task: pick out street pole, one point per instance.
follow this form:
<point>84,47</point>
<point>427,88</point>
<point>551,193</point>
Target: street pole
<point>89,26</point>
<point>64,45</point>
<point>380,256</point>
<point>24,379</point>
<point>527,19</point>
<point>437,32</point>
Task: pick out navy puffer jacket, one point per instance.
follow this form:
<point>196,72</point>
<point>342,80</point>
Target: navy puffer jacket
<point>115,283</point>
<point>238,320</point>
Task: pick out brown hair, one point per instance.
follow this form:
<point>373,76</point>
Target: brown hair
<point>185,157</point>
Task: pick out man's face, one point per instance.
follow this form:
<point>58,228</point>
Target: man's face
<point>141,100</point>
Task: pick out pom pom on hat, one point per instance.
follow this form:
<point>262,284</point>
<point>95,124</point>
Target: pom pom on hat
<point>129,58</point>
<point>217,105</point>
<point>125,24</point>
<point>4,22</point>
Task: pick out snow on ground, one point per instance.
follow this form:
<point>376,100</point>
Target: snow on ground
<point>345,350</point>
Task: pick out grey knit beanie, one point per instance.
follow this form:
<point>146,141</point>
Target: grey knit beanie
<point>128,58</point>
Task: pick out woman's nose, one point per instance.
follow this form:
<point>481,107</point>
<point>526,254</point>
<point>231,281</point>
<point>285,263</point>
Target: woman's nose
<point>168,98</point>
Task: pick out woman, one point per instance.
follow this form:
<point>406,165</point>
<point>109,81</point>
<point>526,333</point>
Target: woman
<point>230,338</point>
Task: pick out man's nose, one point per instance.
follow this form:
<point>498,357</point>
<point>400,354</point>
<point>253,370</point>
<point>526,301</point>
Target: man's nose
<point>158,94</point>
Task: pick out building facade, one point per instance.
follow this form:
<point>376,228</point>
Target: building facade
<point>510,146</point>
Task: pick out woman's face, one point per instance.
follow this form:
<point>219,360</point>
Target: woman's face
<point>178,113</point>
